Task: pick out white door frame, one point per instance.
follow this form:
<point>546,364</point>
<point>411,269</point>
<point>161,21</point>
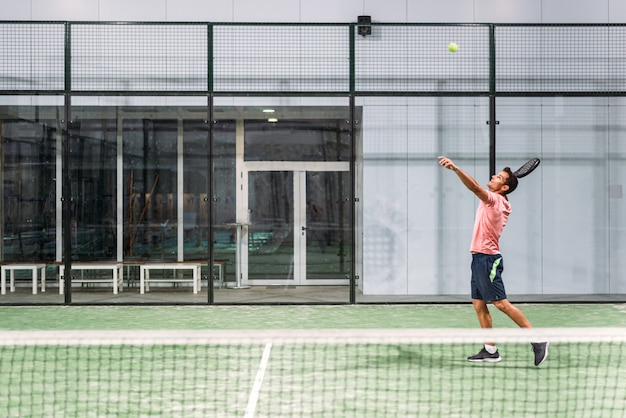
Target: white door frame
<point>299,168</point>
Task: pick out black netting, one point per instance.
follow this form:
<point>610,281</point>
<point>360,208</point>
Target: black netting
<point>32,56</point>
<point>314,58</point>
<point>139,57</point>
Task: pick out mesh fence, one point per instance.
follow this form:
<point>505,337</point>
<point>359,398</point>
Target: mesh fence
<point>416,58</point>
<point>139,57</point>
<point>560,58</point>
<point>281,58</point>
<point>314,58</point>
<point>33,56</point>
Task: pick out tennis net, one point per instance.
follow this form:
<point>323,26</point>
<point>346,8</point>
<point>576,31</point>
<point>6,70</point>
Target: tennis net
<point>281,373</point>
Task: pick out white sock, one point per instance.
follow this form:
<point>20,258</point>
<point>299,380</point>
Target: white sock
<point>491,349</point>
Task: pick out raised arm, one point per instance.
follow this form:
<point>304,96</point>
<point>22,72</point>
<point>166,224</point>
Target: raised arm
<point>465,178</point>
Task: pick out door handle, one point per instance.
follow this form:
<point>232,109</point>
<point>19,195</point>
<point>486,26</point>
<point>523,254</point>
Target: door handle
<point>304,228</point>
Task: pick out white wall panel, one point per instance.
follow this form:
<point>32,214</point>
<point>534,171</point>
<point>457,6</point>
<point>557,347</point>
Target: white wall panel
<point>386,11</point>
<point>135,10</point>
<point>445,11</point>
<point>385,228</point>
<point>64,10</point>
<point>331,11</point>
<point>574,11</point>
<point>15,10</point>
<point>200,11</point>
<point>508,11</point>
<point>266,11</point>
<point>617,11</point>
<point>385,217</point>
<point>440,11</point>
<point>423,234</point>
<point>617,195</point>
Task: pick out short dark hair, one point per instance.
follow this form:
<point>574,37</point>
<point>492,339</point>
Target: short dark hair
<point>511,181</point>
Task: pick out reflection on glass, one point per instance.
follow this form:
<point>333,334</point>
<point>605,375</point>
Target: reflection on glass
<point>327,225</point>
<point>30,140</point>
<point>271,239</point>
<point>93,163</point>
<point>224,189</point>
<point>195,198</point>
<point>150,168</point>
<point>297,140</point>
<point>162,220</point>
<point>289,184</point>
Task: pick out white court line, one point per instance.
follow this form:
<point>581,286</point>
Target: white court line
<point>258,381</point>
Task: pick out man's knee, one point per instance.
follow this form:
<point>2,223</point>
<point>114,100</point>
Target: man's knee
<point>480,305</point>
<point>503,305</point>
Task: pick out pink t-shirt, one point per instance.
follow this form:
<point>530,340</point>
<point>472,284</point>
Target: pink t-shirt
<point>491,218</point>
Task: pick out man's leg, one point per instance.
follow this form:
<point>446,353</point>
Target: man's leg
<point>512,312</point>
<point>489,353</point>
<point>540,349</point>
<point>482,312</point>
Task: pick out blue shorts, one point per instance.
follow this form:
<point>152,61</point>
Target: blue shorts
<point>487,282</point>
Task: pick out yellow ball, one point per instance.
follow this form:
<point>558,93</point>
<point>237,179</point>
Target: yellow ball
<point>453,47</point>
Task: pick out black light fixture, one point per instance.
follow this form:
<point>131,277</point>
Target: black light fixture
<point>363,25</point>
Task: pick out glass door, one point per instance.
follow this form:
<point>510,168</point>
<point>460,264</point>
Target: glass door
<point>298,227</point>
<point>271,228</point>
<point>282,198</point>
<point>325,230</point>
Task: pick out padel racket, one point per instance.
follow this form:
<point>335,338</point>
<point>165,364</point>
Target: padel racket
<point>527,168</point>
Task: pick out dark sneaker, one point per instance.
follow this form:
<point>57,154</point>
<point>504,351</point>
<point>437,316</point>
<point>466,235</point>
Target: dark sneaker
<point>484,356</point>
<point>541,352</point>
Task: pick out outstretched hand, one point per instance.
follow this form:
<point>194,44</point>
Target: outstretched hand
<point>466,179</point>
<point>446,162</point>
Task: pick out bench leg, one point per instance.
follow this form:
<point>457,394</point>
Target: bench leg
<point>220,275</point>
<point>61,280</point>
<point>196,280</point>
<point>35,273</point>
<point>4,282</point>
<point>141,281</point>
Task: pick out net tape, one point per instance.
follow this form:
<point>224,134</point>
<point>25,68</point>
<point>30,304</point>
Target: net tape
<point>319,336</point>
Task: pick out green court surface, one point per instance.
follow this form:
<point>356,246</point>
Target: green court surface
<point>264,379</point>
<point>299,317</point>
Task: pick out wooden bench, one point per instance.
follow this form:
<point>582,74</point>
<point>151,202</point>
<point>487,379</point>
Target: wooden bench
<point>117,276</point>
<point>10,268</point>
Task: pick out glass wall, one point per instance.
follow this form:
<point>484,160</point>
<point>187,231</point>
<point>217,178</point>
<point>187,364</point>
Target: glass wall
<point>270,163</point>
<point>30,186</point>
<point>139,173</point>
<point>565,233</point>
<point>93,158</point>
<point>279,218</point>
<point>139,170</point>
<point>568,235</point>
<point>416,217</point>
<point>282,181</point>
<point>616,206</point>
